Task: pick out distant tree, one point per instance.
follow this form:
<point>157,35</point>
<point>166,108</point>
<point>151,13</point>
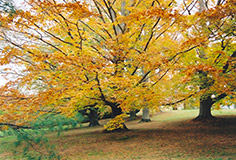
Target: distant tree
<point>212,67</point>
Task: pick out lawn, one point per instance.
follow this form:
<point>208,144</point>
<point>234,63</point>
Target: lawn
<point>170,135</point>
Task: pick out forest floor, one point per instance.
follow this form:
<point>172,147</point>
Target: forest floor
<point>169,136</point>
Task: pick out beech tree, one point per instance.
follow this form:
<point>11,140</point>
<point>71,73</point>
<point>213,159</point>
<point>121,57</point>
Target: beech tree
<point>212,66</point>
<point>76,54</point>
<point>125,55</point>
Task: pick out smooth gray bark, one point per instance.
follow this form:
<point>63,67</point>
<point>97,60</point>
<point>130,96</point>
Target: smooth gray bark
<point>146,116</point>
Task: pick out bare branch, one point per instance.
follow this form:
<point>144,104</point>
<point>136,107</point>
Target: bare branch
<point>15,126</point>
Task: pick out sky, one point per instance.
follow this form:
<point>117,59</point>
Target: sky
<point>18,4</point>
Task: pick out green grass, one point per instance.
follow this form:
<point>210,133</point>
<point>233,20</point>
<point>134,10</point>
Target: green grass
<point>170,135</point>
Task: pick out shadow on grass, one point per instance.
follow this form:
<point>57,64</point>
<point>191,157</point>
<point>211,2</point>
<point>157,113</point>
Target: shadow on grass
<point>183,139</point>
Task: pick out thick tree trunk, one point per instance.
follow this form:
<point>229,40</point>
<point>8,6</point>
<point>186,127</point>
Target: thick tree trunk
<point>205,109</point>
<point>92,114</point>
<point>116,110</point>
<point>93,118</point>
<point>145,117</point>
<point>132,115</point>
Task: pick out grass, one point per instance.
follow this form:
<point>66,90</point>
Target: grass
<point>170,135</point>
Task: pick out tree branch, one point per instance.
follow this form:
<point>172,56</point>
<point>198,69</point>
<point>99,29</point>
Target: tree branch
<point>221,96</point>
<point>15,126</point>
<point>172,103</point>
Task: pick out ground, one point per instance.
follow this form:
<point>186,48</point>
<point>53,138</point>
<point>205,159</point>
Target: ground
<point>170,135</point>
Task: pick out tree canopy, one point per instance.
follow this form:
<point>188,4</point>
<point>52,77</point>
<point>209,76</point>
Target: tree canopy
<point>123,55</point>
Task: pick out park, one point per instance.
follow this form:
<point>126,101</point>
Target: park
<point>170,135</point>
<point>117,79</point>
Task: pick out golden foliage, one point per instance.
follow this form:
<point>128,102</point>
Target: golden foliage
<point>131,54</point>
<point>115,123</point>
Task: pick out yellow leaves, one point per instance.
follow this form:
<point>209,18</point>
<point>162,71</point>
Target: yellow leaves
<point>115,123</point>
<point>4,128</point>
<point>71,63</point>
<point>71,10</point>
<point>194,41</point>
<point>203,68</point>
<point>78,10</point>
<point>139,16</point>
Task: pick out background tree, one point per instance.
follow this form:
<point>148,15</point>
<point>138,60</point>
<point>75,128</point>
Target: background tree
<point>212,63</point>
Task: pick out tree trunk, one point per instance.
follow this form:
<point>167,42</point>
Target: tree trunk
<point>116,110</point>
<point>146,117</point>
<point>93,117</point>
<point>132,115</point>
<point>206,103</point>
<point>202,5</point>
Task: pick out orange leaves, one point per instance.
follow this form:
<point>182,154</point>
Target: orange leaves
<point>220,11</point>
<point>196,68</point>
<point>140,16</point>
<point>129,54</point>
<point>196,41</point>
<point>71,10</point>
